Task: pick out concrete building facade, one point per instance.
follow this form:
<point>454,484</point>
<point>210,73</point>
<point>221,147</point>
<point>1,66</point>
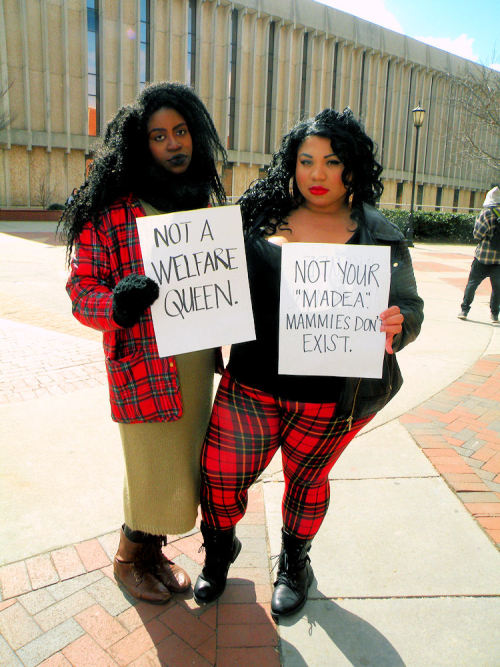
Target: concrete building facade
<point>259,65</point>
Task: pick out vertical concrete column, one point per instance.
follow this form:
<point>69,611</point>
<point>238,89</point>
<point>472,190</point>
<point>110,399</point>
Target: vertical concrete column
<point>276,84</point>
<point>352,79</point>
<point>223,102</point>
<point>198,56</point>
<point>137,46</point>
<point>47,120</point>
<point>376,110</point>
<point>238,102</point>
<point>119,58</point>
<point>296,73</point>
<point>370,83</point>
<point>153,38</point>
<point>26,74</point>
<point>401,119</point>
<point>169,42</point>
<point>316,69</point>
<point>102,88</point>
<point>5,111</point>
<point>447,163</point>
<point>387,148</point>
<point>287,46</point>
<point>345,75</point>
<point>437,138</point>
<point>85,74</point>
<point>66,77</point>
<point>310,74</point>
<point>213,59</point>
<point>252,64</point>
<point>261,131</point>
<point>325,71</point>
<point>4,76</point>
<point>336,66</point>
<point>427,104</point>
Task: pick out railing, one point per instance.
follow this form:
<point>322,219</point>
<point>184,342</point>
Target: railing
<point>405,207</point>
<point>429,207</point>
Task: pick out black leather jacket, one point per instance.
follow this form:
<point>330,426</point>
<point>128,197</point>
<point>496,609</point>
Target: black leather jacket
<point>361,397</point>
<point>255,363</point>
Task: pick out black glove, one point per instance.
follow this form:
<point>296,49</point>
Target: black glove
<point>131,296</point>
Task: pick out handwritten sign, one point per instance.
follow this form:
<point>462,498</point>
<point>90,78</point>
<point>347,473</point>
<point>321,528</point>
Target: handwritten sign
<point>198,260</point>
<point>331,298</point>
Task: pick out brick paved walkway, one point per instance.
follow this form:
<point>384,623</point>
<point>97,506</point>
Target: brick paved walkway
<point>64,608</point>
<point>459,431</point>
<point>39,362</point>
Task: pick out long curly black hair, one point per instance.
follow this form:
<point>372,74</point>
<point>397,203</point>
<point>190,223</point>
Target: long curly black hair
<point>123,164</point>
<point>268,201</point>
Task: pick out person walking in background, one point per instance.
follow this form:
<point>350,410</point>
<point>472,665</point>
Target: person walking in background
<point>158,155</point>
<point>320,187</point>
<point>486,262</point>
<point>71,198</point>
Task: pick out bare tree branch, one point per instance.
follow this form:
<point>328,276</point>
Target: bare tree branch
<point>476,96</point>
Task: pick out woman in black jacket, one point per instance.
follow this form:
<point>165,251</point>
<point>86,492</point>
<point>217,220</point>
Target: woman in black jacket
<point>321,187</point>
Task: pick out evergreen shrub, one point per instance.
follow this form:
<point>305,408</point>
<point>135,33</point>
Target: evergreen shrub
<point>435,226</point>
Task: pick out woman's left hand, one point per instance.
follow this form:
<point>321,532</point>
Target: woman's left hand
<point>392,324</point>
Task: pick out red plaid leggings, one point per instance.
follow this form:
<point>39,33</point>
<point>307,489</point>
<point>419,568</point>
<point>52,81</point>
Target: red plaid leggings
<point>246,428</point>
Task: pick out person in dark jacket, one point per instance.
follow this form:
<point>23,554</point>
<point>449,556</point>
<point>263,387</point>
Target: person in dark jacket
<point>321,187</point>
<point>157,156</point>
<point>486,262</point>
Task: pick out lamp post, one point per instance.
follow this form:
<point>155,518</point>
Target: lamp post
<point>418,119</point>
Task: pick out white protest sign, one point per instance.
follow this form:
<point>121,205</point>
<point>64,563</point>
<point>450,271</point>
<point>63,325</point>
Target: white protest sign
<point>331,298</point>
<point>198,260</point>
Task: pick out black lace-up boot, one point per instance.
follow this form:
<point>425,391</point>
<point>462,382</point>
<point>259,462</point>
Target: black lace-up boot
<point>294,576</point>
<point>221,549</point>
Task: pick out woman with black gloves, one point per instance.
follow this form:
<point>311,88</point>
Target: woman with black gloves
<point>157,156</point>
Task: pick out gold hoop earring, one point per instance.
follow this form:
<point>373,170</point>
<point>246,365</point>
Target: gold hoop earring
<point>291,185</point>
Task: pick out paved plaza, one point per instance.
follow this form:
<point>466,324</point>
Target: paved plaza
<point>407,562</point>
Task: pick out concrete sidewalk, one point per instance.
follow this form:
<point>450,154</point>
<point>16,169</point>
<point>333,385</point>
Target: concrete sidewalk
<point>407,563</point>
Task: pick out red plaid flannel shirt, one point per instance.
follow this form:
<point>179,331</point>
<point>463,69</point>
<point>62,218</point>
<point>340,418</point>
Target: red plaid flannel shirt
<point>142,386</point>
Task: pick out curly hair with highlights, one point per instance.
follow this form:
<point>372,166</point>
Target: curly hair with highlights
<point>122,158</point>
<point>268,201</point>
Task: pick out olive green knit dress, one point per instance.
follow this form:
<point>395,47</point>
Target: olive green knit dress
<point>162,459</point>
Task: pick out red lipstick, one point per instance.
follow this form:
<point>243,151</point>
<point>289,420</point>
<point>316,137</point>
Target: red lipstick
<point>318,190</point>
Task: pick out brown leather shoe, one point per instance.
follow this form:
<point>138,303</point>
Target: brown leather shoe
<point>132,572</point>
<point>169,573</point>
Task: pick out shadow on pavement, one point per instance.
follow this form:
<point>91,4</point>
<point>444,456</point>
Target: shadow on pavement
<point>359,641</point>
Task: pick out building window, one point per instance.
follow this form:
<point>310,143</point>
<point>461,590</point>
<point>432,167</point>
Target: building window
<point>269,96</point>
<point>362,85</point>
<point>89,157</point>
<point>456,195</point>
<point>191,53</point>
<point>399,194</point>
<point>303,83</point>
<point>335,73</point>
<point>232,77</point>
<point>420,196</point>
<point>472,201</point>
<point>93,66</point>
<point>145,49</point>
<point>439,197</point>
